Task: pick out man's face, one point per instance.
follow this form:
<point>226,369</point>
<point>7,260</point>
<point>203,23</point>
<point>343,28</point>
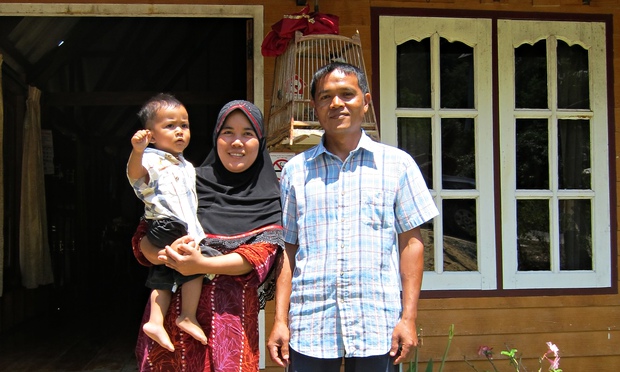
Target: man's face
<point>339,103</point>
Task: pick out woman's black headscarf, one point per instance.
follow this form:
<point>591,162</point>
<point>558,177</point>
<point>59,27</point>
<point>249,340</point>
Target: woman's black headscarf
<point>233,203</point>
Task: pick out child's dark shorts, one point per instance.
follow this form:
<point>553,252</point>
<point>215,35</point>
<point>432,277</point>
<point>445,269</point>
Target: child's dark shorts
<point>162,233</point>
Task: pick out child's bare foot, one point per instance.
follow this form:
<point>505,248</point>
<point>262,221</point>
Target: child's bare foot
<point>158,334</point>
<point>192,327</point>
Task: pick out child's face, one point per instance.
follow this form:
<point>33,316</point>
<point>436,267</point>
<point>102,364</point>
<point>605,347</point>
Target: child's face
<point>170,130</point>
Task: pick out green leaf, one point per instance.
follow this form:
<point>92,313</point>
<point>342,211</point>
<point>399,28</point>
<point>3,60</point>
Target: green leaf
<point>445,353</point>
<point>429,366</point>
<point>510,353</point>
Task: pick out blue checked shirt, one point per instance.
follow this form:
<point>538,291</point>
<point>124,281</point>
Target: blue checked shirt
<point>344,216</point>
<point>171,190</point>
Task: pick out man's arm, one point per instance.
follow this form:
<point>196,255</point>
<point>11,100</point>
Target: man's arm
<point>405,334</point>
<point>280,334</point>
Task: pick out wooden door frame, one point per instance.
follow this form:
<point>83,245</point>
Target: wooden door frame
<point>253,12</point>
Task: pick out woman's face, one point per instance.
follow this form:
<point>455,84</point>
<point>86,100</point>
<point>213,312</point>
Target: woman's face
<point>237,143</point>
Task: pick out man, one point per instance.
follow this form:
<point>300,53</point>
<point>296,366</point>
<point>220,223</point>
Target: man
<point>349,206</point>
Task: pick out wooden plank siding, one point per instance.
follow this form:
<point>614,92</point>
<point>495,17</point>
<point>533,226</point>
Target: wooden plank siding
<point>585,327</point>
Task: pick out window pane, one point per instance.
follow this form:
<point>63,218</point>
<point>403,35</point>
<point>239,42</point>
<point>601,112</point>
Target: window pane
<point>573,77</point>
<point>574,154</point>
<point>458,160</point>
<point>456,74</point>
<point>460,244</point>
<point>531,75</point>
<point>533,249</point>
<point>532,154</point>
<point>414,74</point>
<point>428,237</point>
<point>576,235</point>
<point>414,137</point>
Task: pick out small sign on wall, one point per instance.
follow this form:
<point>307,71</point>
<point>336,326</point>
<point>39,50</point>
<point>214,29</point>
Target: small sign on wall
<point>278,159</point>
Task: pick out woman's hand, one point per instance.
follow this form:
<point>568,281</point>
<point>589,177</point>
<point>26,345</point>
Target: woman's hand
<point>183,256</point>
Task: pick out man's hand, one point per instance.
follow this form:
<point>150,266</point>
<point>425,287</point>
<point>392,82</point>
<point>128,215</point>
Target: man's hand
<point>278,344</point>
<point>404,342</point>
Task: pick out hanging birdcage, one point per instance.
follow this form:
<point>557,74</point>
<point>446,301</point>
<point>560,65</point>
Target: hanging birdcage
<point>291,117</point>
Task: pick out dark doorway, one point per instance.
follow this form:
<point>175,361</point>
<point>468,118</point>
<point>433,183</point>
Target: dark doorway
<point>94,73</point>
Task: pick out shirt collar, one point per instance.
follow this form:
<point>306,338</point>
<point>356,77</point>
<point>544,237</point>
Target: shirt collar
<point>365,143</point>
<point>166,155</point>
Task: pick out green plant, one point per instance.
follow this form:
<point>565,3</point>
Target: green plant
<point>413,365</point>
<point>515,361</point>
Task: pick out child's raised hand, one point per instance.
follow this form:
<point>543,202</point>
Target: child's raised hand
<point>141,139</point>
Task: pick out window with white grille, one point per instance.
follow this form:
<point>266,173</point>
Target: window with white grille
<point>535,144</point>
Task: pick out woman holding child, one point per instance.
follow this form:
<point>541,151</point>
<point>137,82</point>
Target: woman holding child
<point>239,210</point>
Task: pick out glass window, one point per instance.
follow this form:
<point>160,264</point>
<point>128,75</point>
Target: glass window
<point>414,136</point>
<point>533,247</point>
<point>414,74</point>
<point>573,77</point>
<point>458,155</point>
<point>551,135</point>
<point>456,74</point>
<point>576,235</point>
<point>574,154</point>
<point>531,75</point>
<point>441,107</point>
<point>532,152</point>
<point>537,141</point>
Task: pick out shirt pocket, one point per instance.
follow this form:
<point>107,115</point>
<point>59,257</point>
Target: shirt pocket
<point>377,209</point>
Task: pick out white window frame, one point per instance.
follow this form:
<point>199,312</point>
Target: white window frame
<point>590,36</point>
<point>475,33</point>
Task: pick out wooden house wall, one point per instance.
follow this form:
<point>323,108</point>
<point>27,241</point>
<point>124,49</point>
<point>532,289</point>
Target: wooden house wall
<point>584,326</point>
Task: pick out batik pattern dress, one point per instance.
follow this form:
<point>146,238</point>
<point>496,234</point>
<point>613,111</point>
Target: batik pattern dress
<point>227,311</point>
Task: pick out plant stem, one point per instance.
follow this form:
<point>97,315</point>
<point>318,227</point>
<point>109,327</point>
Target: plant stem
<point>445,353</point>
<point>492,364</point>
<point>471,365</point>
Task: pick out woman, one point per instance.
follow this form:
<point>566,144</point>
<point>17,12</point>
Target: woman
<point>239,209</point>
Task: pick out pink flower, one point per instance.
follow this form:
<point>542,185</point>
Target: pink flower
<point>553,349</point>
<point>485,351</point>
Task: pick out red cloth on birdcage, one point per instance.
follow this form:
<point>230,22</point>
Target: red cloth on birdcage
<point>307,23</point>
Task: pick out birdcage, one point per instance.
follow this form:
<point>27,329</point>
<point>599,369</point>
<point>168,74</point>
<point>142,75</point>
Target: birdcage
<point>291,117</point>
